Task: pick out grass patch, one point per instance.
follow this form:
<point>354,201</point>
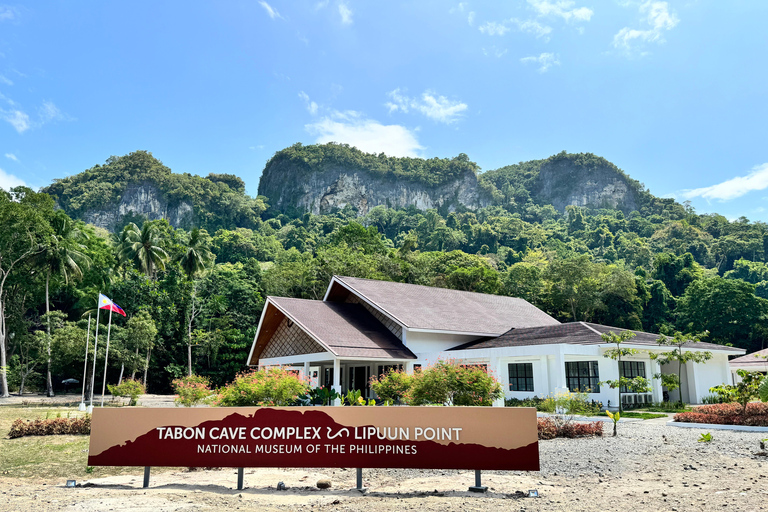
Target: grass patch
<point>642,415</point>
<point>48,457</point>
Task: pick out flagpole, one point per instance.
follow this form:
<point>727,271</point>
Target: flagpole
<point>95,346</point>
<point>85,366</point>
<point>106,357</point>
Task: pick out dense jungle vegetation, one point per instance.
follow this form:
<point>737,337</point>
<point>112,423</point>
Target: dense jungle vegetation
<point>201,291</point>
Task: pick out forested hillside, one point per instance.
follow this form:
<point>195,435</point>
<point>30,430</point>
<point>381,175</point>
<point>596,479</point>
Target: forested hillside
<point>659,268</point>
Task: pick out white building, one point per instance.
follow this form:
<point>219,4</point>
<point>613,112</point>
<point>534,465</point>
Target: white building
<point>363,327</point>
<point>754,362</point>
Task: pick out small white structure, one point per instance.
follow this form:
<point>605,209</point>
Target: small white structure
<point>364,327</point>
<point>754,362</point>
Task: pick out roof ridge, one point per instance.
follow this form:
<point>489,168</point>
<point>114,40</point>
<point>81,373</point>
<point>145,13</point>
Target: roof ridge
<point>434,288</point>
<point>306,329</point>
<point>369,300</point>
<point>585,324</point>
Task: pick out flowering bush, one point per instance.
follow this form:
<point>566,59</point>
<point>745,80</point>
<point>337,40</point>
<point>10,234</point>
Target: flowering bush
<point>191,390</point>
<point>392,386</point>
<point>444,383</point>
<point>129,388</point>
<point>755,414</point>
<point>48,427</point>
<point>450,383</point>
<point>268,386</point>
<point>550,429</point>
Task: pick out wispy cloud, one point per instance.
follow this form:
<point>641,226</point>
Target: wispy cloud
<point>17,118</point>
<point>733,188</point>
<point>436,107</point>
<point>657,17</point>
<point>346,13</point>
<point>561,8</point>
<point>311,105</point>
<point>493,28</point>
<point>11,156</point>
<point>496,52</point>
<point>5,80</point>
<point>21,121</point>
<point>271,11</point>
<point>544,60</point>
<point>365,134</point>
<point>8,181</point>
<point>7,13</point>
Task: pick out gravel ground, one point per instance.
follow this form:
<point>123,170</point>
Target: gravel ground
<point>649,466</point>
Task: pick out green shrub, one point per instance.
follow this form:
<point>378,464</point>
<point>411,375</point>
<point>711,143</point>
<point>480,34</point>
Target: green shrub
<point>128,388</point>
<point>450,383</point>
<point>191,390</point>
<point>269,386</point>
<point>392,386</point>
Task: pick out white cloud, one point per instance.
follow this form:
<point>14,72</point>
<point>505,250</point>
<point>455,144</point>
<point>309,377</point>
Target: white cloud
<point>8,181</point>
<point>658,18</point>
<point>311,105</point>
<point>532,27</point>
<point>7,13</point>
<point>471,18</point>
<point>545,61</point>
<point>493,50</point>
<point>18,119</point>
<point>11,156</point>
<point>493,28</point>
<point>271,11</point>
<point>5,80</point>
<point>436,107</point>
<point>736,187</point>
<point>346,13</point>
<point>49,112</point>
<point>563,8</point>
<point>367,135</point>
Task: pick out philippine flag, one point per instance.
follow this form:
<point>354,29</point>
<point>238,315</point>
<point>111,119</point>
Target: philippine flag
<point>106,303</point>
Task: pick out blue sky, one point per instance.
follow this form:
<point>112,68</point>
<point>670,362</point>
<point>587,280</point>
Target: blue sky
<point>674,93</point>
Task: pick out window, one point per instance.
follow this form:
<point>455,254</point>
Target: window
<point>385,369</point>
<point>521,377</point>
<point>630,370</point>
<point>582,376</point>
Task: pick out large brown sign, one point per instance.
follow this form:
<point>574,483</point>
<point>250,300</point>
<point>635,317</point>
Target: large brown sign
<point>362,437</point>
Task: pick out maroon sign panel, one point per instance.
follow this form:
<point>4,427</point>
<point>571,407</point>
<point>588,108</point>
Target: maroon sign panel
<point>365,437</point>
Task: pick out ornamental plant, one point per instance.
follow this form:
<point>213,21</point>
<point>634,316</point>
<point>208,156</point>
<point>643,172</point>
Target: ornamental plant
<point>129,388</point>
<point>743,392</point>
<point>191,390</point>
<point>449,383</point>
<point>392,386</point>
<point>272,386</point>
<point>679,357</point>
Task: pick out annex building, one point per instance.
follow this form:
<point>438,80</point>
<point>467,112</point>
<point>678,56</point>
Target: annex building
<point>364,327</point>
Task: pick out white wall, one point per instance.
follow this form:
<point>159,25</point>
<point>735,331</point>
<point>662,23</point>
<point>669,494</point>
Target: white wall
<point>434,342</point>
<point>706,375</point>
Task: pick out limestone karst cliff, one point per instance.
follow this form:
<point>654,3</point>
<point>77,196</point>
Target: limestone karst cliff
<point>319,179</point>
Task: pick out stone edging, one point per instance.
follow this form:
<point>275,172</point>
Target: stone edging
<point>715,426</point>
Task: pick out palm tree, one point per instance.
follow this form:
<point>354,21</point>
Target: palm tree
<point>61,255</point>
<point>144,246</point>
<point>197,255</point>
<point>194,259</point>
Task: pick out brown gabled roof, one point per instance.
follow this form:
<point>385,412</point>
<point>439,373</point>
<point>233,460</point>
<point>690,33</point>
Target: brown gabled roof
<point>441,309</point>
<point>576,333</point>
<point>755,359</point>
<point>346,330</point>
